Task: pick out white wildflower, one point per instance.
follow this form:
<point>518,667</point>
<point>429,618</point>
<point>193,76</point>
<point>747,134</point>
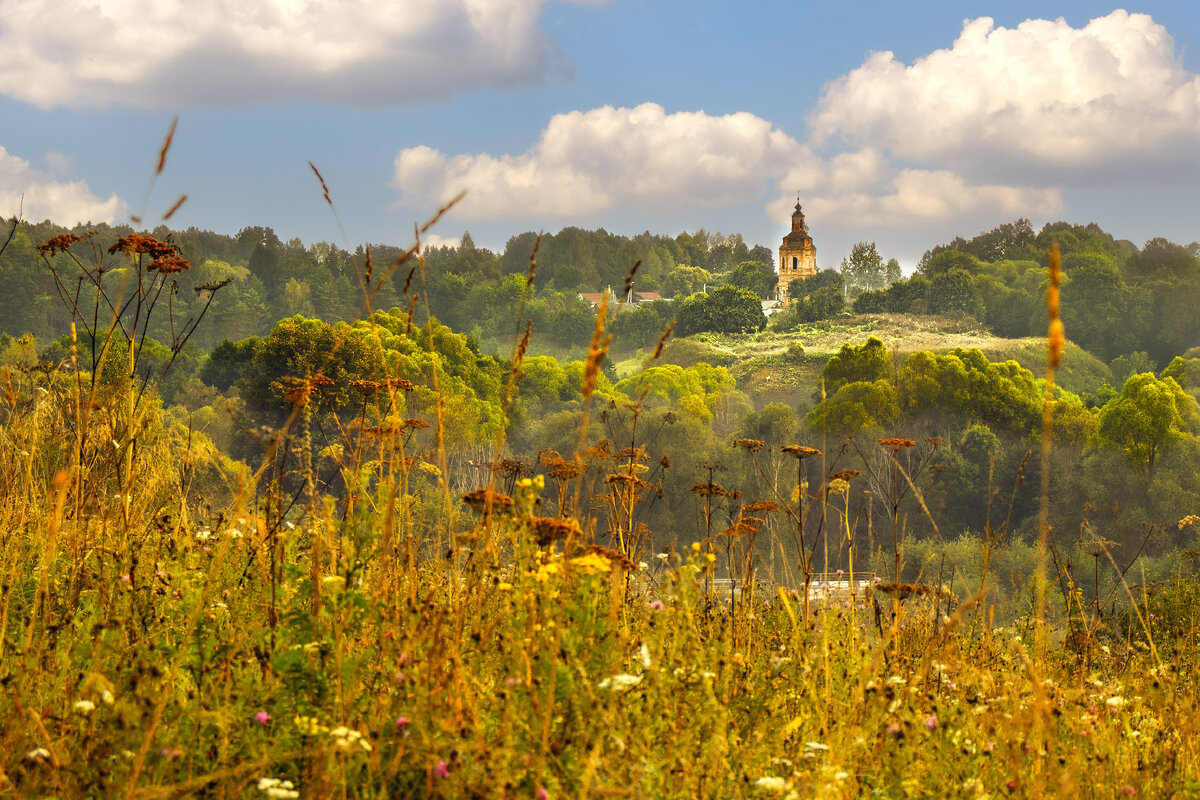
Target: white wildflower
<point>38,754</point>
<point>84,706</point>
<point>645,656</point>
<point>346,738</point>
<point>1116,701</point>
<point>203,535</point>
<point>107,698</point>
<point>619,683</point>
<point>274,787</point>
<point>771,783</point>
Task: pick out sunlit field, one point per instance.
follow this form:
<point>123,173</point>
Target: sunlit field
<point>381,616</point>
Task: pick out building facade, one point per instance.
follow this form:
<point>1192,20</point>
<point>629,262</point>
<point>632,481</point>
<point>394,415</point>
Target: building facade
<point>797,255</point>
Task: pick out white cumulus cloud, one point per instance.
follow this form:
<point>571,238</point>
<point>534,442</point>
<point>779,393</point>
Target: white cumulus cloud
<point>169,53</point>
<point>39,195</point>
<point>1044,98</point>
<point>607,158</point>
<point>864,188</point>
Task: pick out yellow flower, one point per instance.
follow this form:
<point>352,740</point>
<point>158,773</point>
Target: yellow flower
<point>591,563</point>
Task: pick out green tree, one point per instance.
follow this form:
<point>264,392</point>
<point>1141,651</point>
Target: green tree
<point>863,270</point>
<point>684,280</point>
<point>1146,417</point>
<point>867,362</point>
<point>859,407</point>
<point>724,310</point>
<point>891,272</point>
<point>955,292</point>
<point>227,363</point>
<point>755,276</point>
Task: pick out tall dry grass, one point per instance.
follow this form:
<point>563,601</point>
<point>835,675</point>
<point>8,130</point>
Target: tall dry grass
<point>409,643</point>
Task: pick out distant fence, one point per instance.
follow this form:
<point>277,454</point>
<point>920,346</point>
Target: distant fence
<point>824,587</point>
<point>828,586</point>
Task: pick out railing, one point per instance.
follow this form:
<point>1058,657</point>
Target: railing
<point>837,586</point>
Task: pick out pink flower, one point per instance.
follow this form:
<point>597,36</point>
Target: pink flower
<point>931,722</point>
<point>541,793</point>
<point>655,605</point>
<point>841,572</point>
<point>263,717</point>
<point>402,722</point>
<point>125,578</point>
<point>440,770</point>
<point>1128,790</point>
<point>893,729</point>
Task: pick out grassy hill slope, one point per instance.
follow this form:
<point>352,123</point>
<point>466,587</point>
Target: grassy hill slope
<point>785,367</point>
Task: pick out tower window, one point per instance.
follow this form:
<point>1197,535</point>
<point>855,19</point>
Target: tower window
<point>795,262</point>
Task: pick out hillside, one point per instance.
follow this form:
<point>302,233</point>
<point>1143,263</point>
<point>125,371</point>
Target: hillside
<point>770,368</point>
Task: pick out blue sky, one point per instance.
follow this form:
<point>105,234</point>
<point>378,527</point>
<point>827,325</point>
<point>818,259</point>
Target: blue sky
<point>626,114</point>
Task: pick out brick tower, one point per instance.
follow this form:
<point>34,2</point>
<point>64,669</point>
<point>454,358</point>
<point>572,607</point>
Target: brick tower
<point>797,255</point>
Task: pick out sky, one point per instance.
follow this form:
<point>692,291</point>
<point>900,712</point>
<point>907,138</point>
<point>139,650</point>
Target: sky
<point>905,124</point>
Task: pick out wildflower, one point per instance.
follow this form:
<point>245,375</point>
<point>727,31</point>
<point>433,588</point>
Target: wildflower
<point>1114,702</point>
<point>309,726</point>
<point>345,738</point>
<point>662,556</point>
<point>771,783</point>
<point>171,753</point>
<point>1128,790</point>
<point>541,794</point>
<point>931,722</point>
<point>402,723</point>
<point>125,578</point>
<point>894,729</point>
<point>84,707</point>
<point>234,533</point>
<point>815,747</point>
<point>107,698</point>
<point>262,717</point>
<point>655,605</point>
<point>440,770</point>
<point>38,754</point>
<point>592,563</point>
<point>621,682</point>
<point>273,787</point>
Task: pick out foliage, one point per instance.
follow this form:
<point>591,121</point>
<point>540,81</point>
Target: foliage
<point>863,269</point>
<point>868,361</point>
<point>727,309</point>
<point>1148,415</point>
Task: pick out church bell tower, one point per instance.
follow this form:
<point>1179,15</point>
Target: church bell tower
<point>797,255</point>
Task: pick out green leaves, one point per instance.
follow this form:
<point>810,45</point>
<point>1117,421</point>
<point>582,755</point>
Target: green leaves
<point>1146,417</point>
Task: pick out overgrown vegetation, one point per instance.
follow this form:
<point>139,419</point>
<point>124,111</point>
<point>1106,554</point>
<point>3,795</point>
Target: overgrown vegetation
<point>368,558</point>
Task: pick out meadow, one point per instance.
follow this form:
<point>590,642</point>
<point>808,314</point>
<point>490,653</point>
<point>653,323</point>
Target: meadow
<point>176,623</point>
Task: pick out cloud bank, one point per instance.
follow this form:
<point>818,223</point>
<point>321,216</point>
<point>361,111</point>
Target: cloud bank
<point>1111,97</point>
<point>586,163</point>
<point>171,53</point>
<point>38,195</point>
